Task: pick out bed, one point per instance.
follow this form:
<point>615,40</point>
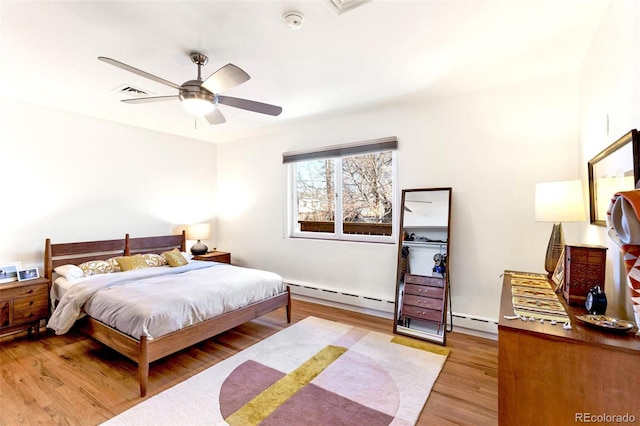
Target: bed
<point>147,346</point>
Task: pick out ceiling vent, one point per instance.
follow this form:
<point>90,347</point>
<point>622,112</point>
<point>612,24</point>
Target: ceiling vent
<point>343,6</point>
<point>132,91</point>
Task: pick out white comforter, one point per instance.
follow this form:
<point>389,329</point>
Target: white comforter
<point>155,301</point>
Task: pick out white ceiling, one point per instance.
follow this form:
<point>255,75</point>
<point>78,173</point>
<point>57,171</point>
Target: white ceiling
<point>383,51</point>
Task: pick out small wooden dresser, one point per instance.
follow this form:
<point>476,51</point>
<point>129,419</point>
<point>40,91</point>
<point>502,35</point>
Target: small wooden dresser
<point>424,298</point>
<point>214,256</point>
<point>23,304</point>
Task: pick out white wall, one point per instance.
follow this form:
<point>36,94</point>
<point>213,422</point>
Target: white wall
<point>610,92</point>
<point>69,177</point>
<point>491,147</point>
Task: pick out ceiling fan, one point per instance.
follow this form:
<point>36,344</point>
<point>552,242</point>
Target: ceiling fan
<point>201,97</point>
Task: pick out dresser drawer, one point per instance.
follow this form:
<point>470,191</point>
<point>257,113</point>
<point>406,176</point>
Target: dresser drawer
<point>421,290</point>
<point>424,280</point>
<point>422,313</point>
<point>422,302</point>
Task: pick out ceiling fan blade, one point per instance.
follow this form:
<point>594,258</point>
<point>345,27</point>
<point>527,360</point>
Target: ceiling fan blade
<point>225,78</point>
<point>150,99</point>
<point>137,71</point>
<point>215,117</point>
<point>254,106</point>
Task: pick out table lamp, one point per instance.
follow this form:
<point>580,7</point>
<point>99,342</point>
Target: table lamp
<point>558,202</point>
<point>198,231</point>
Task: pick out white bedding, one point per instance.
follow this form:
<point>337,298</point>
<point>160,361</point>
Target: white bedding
<point>156,301</point>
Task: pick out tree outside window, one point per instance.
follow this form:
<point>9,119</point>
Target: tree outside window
<point>355,191</point>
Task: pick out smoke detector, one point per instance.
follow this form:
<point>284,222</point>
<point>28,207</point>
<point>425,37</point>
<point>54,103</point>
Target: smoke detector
<point>293,19</point>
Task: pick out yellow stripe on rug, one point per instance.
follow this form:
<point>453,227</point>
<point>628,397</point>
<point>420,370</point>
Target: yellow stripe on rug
<point>412,343</point>
<point>260,407</point>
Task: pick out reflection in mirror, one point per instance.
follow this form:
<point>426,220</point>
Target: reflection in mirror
<point>422,278</point>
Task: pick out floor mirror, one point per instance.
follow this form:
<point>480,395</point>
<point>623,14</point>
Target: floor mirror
<point>423,258</point>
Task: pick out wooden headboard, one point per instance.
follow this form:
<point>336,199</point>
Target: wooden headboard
<point>77,253</point>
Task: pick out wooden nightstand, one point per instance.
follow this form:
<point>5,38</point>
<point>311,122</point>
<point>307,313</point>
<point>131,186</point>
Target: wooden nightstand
<point>23,304</point>
<point>214,256</point>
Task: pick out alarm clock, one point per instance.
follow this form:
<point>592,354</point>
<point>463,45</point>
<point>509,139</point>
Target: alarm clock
<point>596,301</point>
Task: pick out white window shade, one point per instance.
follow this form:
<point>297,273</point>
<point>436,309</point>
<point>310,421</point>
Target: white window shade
<point>356,148</point>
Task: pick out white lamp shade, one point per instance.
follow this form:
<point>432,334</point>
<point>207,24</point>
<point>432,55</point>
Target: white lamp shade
<point>560,201</point>
<point>198,231</point>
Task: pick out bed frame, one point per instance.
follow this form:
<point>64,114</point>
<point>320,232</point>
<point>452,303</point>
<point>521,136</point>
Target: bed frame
<point>144,351</point>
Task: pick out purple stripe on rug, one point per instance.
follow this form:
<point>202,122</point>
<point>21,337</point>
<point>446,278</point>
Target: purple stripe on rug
<point>244,383</point>
<point>314,406</point>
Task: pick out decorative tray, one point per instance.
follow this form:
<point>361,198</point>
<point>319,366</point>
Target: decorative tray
<point>606,323</point>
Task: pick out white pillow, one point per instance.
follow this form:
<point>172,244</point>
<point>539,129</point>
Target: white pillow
<point>70,272</point>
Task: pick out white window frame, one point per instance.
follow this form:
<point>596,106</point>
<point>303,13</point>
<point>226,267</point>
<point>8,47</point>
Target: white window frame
<point>338,233</point>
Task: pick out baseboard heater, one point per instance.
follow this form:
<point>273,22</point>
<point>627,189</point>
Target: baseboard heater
<point>382,308</point>
<point>472,322</point>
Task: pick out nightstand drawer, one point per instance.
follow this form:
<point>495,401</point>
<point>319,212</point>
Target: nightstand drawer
<point>29,290</point>
<point>30,303</point>
<point>28,315</point>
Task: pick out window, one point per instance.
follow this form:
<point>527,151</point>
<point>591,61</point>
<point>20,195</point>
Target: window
<point>346,197</point>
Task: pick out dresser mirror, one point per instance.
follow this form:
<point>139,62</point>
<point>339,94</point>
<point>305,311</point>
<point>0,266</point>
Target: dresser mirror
<point>422,278</point>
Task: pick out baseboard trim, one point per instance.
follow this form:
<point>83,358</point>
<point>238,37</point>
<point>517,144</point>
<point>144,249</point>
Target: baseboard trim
<point>462,323</point>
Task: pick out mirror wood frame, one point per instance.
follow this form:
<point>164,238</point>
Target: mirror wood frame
<point>605,160</point>
<point>440,337</point>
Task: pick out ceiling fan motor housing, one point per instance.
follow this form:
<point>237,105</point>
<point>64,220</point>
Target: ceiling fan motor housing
<point>193,89</point>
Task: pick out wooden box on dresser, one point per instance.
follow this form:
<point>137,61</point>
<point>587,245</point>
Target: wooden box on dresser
<point>551,376</point>
<point>23,304</point>
<point>584,268</point>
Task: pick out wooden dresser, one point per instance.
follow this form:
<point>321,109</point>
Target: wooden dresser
<point>23,304</point>
<point>424,298</point>
<point>551,376</point>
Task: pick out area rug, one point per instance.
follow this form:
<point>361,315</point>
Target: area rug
<point>315,372</point>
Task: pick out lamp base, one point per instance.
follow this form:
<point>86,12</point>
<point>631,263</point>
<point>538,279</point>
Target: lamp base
<point>554,249</point>
<point>199,248</point>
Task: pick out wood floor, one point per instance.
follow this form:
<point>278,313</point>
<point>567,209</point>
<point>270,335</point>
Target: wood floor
<point>74,380</point>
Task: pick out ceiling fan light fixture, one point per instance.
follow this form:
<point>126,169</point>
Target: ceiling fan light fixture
<point>198,103</point>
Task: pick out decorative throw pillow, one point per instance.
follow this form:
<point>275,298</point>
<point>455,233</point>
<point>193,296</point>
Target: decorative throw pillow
<point>94,267</point>
<point>174,258</point>
<point>154,259</point>
<point>70,272</point>
<point>112,265</point>
<point>128,263</point>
